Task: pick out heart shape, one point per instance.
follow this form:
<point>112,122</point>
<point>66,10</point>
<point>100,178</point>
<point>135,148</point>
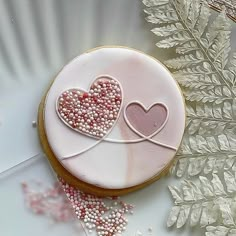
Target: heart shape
<point>146,122</point>
<point>92,113</point>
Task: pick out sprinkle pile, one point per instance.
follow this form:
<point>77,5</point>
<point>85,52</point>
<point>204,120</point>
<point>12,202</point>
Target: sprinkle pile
<point>94,112</point>
<point>104,215</point>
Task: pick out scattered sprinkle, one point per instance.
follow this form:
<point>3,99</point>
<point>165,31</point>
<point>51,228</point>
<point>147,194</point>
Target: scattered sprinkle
<point>34,123</point>
<point>138,233</point>
<point>150,230</point>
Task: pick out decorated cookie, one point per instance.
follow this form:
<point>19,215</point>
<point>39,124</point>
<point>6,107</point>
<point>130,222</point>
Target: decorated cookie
<point>112,121</point>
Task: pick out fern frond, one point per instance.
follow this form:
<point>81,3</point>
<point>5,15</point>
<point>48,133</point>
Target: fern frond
<point>161,15</point>
<point>208,127</point>
<point>220,50</point>
<point>204,202</point>
<point>204,69</point>
<point>210,119</point>
<point>230,74</point>
<point>212,111</point>
<point>217,95</point>
<point>184,61</point>
<point>220,25</point>
<point>207,76</point>
<point>187,47</point>
<point>220,230</point>
<point>167,30</point>
<point>197,81</point>
<point>154,3</point>
<point>174,40</point>
<point>211,42</point>
<point>202,22</point>
<point>200,164</point>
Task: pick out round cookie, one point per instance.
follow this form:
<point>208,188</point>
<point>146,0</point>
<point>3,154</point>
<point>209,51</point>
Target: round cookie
<point>112,121</point>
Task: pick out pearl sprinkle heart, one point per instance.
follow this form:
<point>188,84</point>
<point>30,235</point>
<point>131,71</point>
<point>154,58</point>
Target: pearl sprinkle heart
<point>92,113</point>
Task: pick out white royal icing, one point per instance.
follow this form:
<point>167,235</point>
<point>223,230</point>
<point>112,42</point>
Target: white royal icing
<point>124,157</point>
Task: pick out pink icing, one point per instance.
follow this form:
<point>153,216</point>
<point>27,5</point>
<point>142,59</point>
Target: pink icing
<point>112,163</point>
<point>146,121</point>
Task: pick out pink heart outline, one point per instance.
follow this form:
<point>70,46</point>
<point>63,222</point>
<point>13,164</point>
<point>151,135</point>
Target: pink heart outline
<point>145,110</point>
<point>81,90</point>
